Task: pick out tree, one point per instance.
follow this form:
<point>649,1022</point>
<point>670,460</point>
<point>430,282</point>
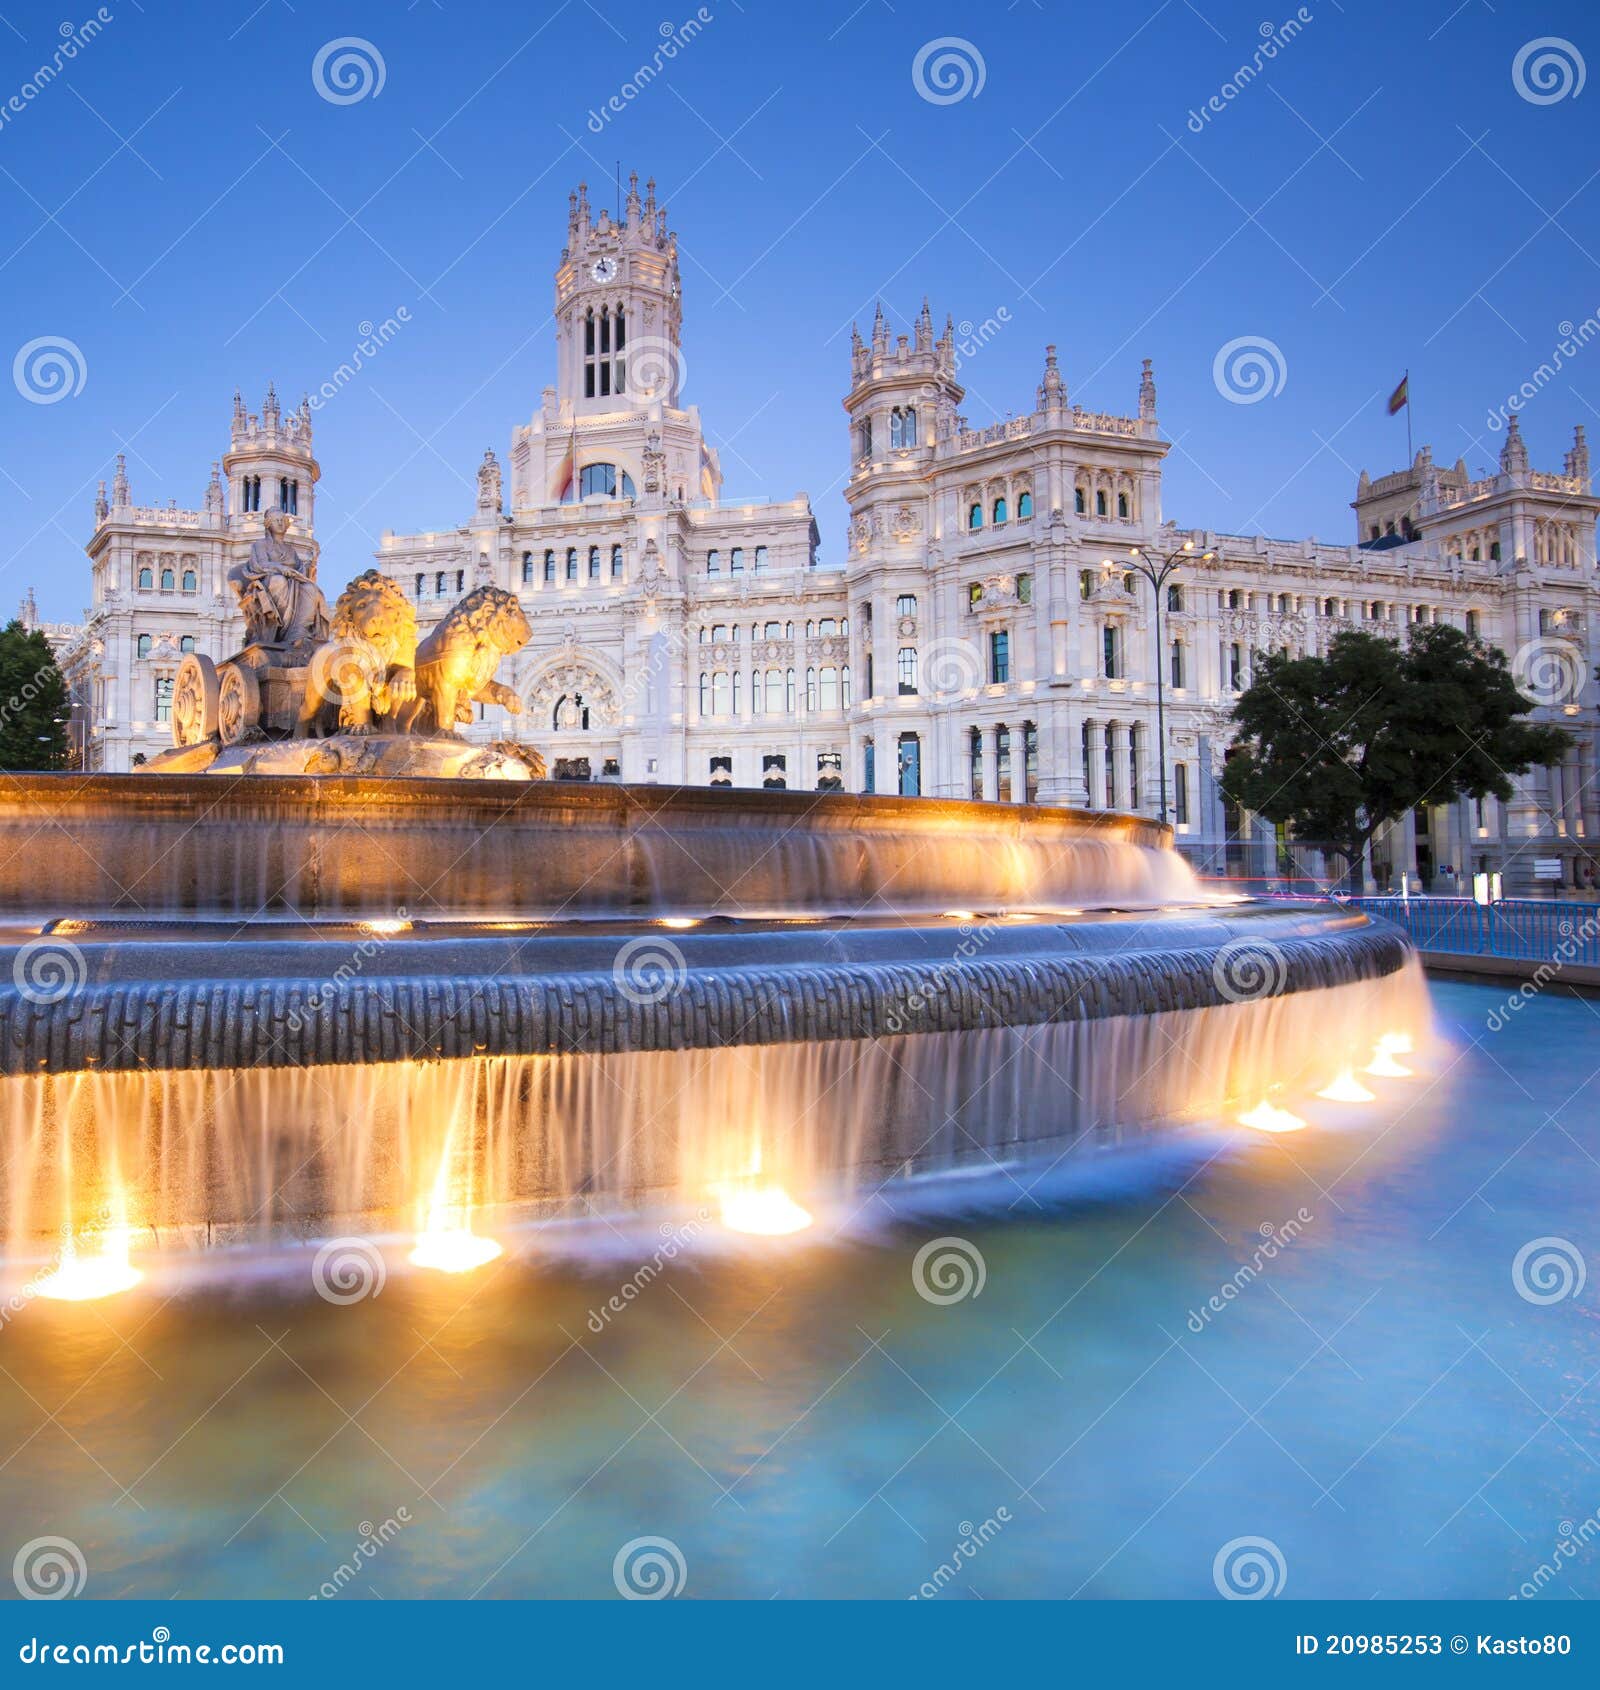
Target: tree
<point>34,702</point>
<point>1338,746</point>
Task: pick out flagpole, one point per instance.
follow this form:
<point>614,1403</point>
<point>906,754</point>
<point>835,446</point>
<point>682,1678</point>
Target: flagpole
<point>1411,456</point>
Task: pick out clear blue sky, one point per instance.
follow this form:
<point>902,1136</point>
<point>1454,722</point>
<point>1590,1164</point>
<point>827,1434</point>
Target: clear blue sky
<point>183,205</point>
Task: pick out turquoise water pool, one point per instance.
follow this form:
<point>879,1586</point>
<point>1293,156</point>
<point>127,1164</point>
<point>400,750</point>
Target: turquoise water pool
<point>1321,1343</point>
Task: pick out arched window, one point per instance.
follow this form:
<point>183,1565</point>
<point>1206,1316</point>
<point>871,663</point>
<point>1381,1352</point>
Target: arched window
<point>1100,502</point>
<point>774,691</point>
<point>789,700</point>
<point>975,517</point>
<point>572,563</point>
<point>186,644</point>
<point>906,669</point>
<point>1236,668</point>
<point>844,687</point>
<point>421,585</point>
<point>828,698</point>
<point>811,689</point>
<point>1494,551</point>
<point>570,712</point>
<point>705,695</point>
<point>999,511</point>
<point>1079,502</point>
<point>594,563</point>
<point>1122,504</point>
<point>191,581</point>
<point>758,692</point>
<point>903,426</point>
<point>169,578</point>
<point>865,438</point>
<point>1024,506</point>
<point>438,582</point>
<point>549,567</point>
<point>147,577</point>
<point>719,693</point>
<point>1175,597</point>
<point>616,563</point>
<point>527,569</point>
<point>738,687</point>
<point>713,563</point>
<point>143,646</point>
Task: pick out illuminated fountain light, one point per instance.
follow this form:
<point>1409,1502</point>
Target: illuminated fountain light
<point>1383,1062</point>
<point>453,1249</point>
<point>960,915</point>
<point>1269,1118</point>
<point>82,1279</point>
<point>679,921</point>
<point>385,926</point>
<point>765,1210</point>
<point>1347,1089</point>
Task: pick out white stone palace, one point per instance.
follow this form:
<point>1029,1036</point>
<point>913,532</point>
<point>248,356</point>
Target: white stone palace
<point>985,635</point>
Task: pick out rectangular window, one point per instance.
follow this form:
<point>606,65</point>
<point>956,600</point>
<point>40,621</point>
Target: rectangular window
<point>1030,763</point>
<point>869,766</point>
<point>163,698</point>
<point>1002,765</point>
<point>1112,655</point>
<point>1000,656</point>
<point>975,763</point>
<point>908,671</point>
<point>1180,793</point>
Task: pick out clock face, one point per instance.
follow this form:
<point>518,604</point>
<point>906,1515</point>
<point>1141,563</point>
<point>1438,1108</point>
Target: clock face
<point>603,269</point>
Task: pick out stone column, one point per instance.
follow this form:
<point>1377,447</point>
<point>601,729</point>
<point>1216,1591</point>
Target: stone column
<point>1096,772</point>
<point>1117,743</point>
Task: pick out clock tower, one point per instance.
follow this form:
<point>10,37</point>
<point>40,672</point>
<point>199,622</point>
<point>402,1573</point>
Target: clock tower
<point>619,314</point>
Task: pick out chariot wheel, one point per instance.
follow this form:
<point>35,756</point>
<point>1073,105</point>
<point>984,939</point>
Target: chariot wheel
<point>194,701</point>
<point>238,702</point>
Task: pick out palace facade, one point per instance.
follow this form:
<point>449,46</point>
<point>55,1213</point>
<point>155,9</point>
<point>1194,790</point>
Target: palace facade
<point>986,635</point>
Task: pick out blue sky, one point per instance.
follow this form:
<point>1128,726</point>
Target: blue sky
<point>183,206</point>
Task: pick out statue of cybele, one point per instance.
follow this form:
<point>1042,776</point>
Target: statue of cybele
<point>281,601</point>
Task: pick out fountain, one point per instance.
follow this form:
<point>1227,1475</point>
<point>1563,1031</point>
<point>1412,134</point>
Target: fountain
<point>376,978</point>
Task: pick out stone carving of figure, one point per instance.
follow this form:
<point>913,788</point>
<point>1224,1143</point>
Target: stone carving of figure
<point>282,604</point>
<point>489,494</point>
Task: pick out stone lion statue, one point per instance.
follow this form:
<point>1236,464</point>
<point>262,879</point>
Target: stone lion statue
<point>366,670</point>
<point>457,661</point>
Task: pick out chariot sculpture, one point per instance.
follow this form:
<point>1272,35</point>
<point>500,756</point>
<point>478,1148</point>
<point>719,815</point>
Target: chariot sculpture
<point>346,691</point>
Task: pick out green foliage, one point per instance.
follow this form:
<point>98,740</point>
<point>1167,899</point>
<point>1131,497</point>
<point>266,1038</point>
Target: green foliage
<point>1339,745</point>
<point>34,702</point>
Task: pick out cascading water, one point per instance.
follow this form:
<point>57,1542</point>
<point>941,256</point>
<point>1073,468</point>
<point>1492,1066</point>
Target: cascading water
<point>804,1019</point>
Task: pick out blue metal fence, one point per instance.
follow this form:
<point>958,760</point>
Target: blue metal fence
<point>1529,930</point>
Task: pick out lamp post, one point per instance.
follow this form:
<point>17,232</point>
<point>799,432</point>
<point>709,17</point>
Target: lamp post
<point>1158,573</point>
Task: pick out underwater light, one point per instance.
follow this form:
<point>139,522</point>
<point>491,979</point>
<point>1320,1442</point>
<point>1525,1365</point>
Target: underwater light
<point>453,1250</point>
<point>82,1279</point>
<point>1384,1065</point>
<point>1269,1118</point>
<point>1347,1089</point>
<point>678,921</point>
<point>767,1210</point>
<point>386,925</point>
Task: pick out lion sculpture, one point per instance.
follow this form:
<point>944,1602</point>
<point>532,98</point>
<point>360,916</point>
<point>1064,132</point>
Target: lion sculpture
<point>457,661</point>
<point>367,668</point>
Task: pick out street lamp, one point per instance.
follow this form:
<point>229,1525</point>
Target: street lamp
<point>1158,573</point>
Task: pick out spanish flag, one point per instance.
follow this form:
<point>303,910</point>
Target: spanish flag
<point>1401,397</point>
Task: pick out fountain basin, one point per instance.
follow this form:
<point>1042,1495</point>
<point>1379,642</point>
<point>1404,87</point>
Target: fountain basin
<point>234,1006</point>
